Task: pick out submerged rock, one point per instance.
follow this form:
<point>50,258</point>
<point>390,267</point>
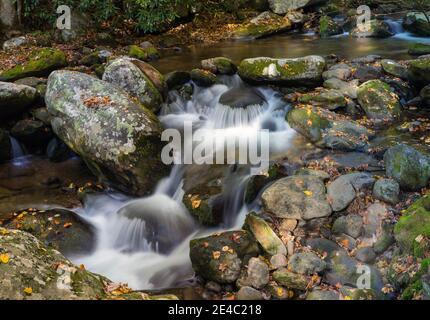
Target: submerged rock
<point>379,101</point>
<point>300,71</point>
<point>266,24</point>
<point>297,197</point>
<point>41,63</point>
<point>409,167</point>
<point>15,99</point>
<point>60,229</point>
<point>220,257</point>
<point>124,74</point>
<point>86,113</point>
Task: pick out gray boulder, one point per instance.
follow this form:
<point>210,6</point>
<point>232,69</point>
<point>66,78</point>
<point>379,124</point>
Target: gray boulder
<point>15,99</point>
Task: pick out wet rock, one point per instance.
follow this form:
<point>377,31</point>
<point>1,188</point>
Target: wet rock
<point>346,241</point>
<point>378,101</point>
<point>373,217</point>
<point>283,6</point>
<point>309,122</point>
<point>257,273</point>
<point>290,279</point>
<point>219,65</point>
<point>378,29</point>
<point>351,225</point>
<point>385,238</point>
<point>323,246</point>
<point>366,73</point>
<point>409,167</point>
<point>416,23</point>
<point>329,27</point>
<point>124,74</point>
<point>176,79</point>
<point>203,78</point>
<point>297,197</point>
<point>339,71</point>
<point>329,99</point>
<point>15,99</point>
<point>346,136</point>
<point>348,89</point>
<point>58,151</point>
<point>248,293</point>
<point>306,263</point>
<point>344,271</point>
<point>300,71</point>
<point>94,58</point>
<point>14,43</point>
<point>48,273</point>
<point>419,49</point>
<point>242,98</point>
<point>124,154</point>
<point>149,53</point>
<point>220,257</point>
<point>414,227</point>
<point>278,261</point>
<point>265,235</point>
<point>32,133</point>
<point>42,114</point>
<point>343,190</point>
<point>394,68</point>
<point>387,190</point>
<point>425,96</point>
<point>40,63</point>
<point>315,173</point>
<point>60,229</point>
<point>419,71</point>
<point>5,146</point>
<point>266,24</point>
<point>366,255</point>
<point>318,294</point>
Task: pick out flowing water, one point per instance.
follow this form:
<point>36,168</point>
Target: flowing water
<point>145,242</point>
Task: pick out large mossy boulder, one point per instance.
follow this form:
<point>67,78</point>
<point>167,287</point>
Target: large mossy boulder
<point>284,6</point>
<point>409,167</point>
<point>220,257</point>
<point>419,49</point>
<point>264,25</point>
<point>300,71</point>
<point>15,99</point>
<point>127,76</point>
<point>29,270</point>
<point>330,99</point>
<point>394,68</point>
<point>40,63</point>
<point>322,128</point>
<point>419,71</point>
<point>120,139</point>
<point>412,231</point>
<point>145,54</point>
<point>417,23</point>
<point>264,235</point>
<point>329,27</point>
<point>60,229</point>
<point>297,197</point>
<point>379,101</point>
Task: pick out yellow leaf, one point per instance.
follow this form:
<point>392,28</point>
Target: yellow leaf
<point>28,290</point>
<point>347,298</point>
<point>67,225</point>
<point>216,255</point>
<point>4,258</point>
<point>308,193</point>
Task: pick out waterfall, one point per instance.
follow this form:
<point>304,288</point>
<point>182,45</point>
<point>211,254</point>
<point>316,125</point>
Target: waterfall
<point>145,242</point>
<point>19,157</point>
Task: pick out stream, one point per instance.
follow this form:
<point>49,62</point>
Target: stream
<point>145,242</point>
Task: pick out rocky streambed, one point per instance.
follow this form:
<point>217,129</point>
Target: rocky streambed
<point>342,213</point>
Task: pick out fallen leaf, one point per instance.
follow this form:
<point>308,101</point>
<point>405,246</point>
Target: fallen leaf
<point>216,255</point>
<point>67,225</point>
<point>308,193</point>
<point>28,291</point>
<point>4,258</point>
